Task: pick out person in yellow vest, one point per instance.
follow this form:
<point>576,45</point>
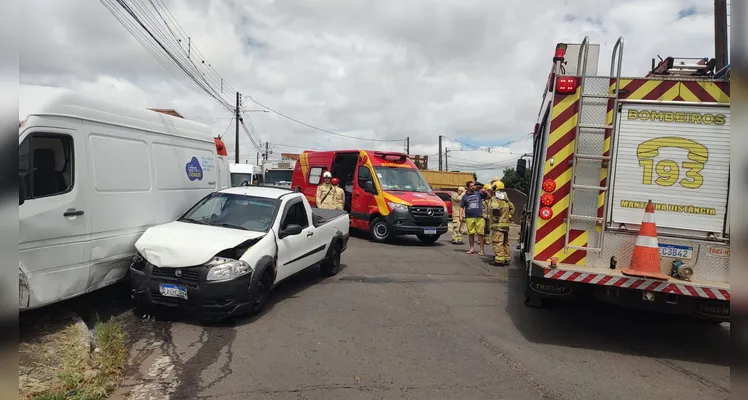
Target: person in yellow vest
<point>339,194</point>
<point>457,225</point>
<point>501,211</point>
<point>326,192</point>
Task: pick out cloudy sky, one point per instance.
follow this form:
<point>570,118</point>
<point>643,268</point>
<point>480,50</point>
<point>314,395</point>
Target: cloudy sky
<point>471,70</point>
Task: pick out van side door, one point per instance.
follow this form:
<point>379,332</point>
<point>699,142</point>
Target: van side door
<point>54,223</point>
<point>362,201</point>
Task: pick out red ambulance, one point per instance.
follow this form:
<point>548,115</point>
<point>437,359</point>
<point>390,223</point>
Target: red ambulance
<point>385,193</point>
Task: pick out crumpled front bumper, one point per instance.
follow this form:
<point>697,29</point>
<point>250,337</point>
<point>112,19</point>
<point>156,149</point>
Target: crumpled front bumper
<point>205,300</point>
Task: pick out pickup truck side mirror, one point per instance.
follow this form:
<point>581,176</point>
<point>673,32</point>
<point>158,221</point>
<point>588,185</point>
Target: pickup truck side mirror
<point>369,187</point>
<point>21,190</point>
<point>521,167</point>
<point>290,230</point>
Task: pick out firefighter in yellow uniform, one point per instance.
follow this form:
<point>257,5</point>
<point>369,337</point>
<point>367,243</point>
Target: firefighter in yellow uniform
<point>457,225</point>
<point>326,193</point>
<point>339,194</point>
<point>501,211</point>
<point>486,212</point>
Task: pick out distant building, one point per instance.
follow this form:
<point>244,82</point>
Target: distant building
<point>289,156</point>
<point>168,111</point>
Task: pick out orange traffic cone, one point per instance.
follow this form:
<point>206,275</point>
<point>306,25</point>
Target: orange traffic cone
<point>645,261</point>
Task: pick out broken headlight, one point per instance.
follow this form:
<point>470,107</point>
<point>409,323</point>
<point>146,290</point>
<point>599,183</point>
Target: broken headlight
<point>223,269</point>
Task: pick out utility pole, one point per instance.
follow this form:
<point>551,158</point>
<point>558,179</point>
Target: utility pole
<point>720,33</point>
<point>446,159</point>
<point>440,152</point>
<point>258,158</point>
<point>407,145</point>
<point>267,151</point>
<point>236,115</point>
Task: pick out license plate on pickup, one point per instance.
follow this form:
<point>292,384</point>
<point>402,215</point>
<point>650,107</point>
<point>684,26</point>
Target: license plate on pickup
<point>429,231</point>
<point>169,290</point>
<point>676,251</point>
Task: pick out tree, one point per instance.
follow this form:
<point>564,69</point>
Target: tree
<point>512,180</point>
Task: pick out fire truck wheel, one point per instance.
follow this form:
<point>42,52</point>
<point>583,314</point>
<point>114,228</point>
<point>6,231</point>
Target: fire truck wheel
<point>379,230</point>
<point>427,239</point>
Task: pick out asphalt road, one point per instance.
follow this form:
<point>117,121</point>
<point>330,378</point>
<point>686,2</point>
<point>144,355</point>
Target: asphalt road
<point>405,321</point>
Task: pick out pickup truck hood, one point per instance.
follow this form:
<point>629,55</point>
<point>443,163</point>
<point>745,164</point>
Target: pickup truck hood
<point>183,244</point>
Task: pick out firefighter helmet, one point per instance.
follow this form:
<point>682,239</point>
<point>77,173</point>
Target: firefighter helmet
<point>498,185</point>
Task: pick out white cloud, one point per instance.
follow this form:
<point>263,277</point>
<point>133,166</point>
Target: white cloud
<point>470,69</point>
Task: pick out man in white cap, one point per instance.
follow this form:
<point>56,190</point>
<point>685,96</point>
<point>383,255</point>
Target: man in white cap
<point>326,193</point>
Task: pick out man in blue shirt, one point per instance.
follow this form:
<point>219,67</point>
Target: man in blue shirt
<point>471,211</point>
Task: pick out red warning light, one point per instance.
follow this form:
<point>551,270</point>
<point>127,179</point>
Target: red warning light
<point>549,185</point>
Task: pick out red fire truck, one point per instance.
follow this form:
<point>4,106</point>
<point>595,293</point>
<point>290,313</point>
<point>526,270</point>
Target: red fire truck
<point>604,146</point>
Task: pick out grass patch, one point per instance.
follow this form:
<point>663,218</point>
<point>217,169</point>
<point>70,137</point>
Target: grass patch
<point>70,371</point>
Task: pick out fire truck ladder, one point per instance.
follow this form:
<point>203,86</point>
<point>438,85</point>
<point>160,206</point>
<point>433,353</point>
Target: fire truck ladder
<point>591,127</point>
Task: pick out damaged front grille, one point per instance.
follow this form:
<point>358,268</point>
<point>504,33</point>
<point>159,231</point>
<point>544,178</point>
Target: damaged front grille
<point>191,274</point>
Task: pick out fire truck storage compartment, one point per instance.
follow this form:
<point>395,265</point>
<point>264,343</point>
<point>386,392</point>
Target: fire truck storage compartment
<point>679,157</point>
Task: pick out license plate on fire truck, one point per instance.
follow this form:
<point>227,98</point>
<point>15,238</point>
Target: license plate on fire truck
<point>169,290</point>
<point>429,231</point>
<point>676,251</point>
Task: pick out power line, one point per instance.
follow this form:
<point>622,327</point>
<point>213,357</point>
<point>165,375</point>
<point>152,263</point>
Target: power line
<point>227,128</point>
<point>153,31</point>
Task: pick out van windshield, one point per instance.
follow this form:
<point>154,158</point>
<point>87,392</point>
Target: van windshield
<point>238,179</point>
<point>278,175</point>
<point>401,179</point>
<point>233,211</point>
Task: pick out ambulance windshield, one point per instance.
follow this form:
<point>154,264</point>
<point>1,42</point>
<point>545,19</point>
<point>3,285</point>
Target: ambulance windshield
<point>401,179</point>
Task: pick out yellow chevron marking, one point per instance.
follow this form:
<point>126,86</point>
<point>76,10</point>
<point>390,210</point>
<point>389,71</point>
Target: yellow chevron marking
<point>644,90</point>
<point>563,105</point>
<point>715,92</point>
<point>559,157</point>
<point>562,130</point>
<point>670,94</point>
<point>579,241</point>
<point>687,94</point>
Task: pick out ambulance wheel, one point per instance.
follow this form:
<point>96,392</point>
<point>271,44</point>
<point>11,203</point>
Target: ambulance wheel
<point>427,239</point>
<point>379,231</point>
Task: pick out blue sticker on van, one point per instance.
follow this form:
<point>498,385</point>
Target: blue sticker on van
<point>194,170</point>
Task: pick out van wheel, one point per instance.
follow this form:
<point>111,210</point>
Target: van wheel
<point>261,294</point>
<point>427,239</point>
<point>379,231</point>
<point>331,266</point>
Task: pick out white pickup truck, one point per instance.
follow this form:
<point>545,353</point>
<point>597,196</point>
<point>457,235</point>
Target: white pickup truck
<point>224,255</point>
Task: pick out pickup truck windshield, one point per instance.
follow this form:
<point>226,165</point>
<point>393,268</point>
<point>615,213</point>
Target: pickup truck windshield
<point>402,179</point>
<point>234,211</point>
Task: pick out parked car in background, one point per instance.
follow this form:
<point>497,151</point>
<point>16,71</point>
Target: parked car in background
<point>224,255</point>
<point>446,195</point>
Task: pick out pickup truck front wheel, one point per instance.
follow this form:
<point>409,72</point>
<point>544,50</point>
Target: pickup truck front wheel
<point>379,230</point>
<point>331,266</point>
<point>261,294</point>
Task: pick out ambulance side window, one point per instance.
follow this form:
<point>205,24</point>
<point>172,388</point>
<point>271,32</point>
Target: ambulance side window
<point>364,175</point>
<point>314,174</point>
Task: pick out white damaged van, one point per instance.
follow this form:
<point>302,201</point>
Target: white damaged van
<point>93,176</point>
